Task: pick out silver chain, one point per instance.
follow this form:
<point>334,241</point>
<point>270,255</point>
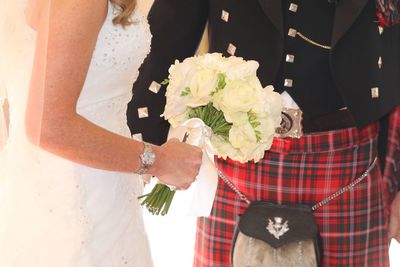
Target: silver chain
<point>319,204</point>
<point>346,188</point>
<point>233,187</point>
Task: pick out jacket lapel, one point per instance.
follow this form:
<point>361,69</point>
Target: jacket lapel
<point>346,13</point>
<point>273,9</point>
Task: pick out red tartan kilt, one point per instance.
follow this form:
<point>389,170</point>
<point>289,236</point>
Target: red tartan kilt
<point>353,227</point>
<point>392,167</point>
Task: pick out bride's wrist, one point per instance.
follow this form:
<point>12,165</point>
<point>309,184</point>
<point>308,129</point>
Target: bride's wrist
<point>155,169</point>
<point>147,160</point>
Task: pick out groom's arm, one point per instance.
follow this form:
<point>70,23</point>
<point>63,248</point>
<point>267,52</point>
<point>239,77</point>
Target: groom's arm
<point>177,27</point>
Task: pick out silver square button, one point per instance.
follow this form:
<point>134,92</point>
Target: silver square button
<point>289,58</point>
<point>380,62</point>
<point>155,87</point>
<point>225,16</point>
<point>292,32</point>
<point>231,49</point>
<point>137,137</point>
<point>143,112</point>
<point>293,7</point>
<point>288,83</point>
<point>380,30</point>
<point>375,92</point>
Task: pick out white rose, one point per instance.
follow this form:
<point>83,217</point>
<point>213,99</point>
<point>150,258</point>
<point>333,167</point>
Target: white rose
<point>258,152</point>
<point>213,61</point>
<point>269,103</point>
<point>244,139</point>
<point>178,119</point>
<point>237,96</point>
<point>267,129</point>
<point>237,68</point>
<point>237,118</point>
<point>241,136</point>
<point>175,106</point>
<point>274,106</point>
<point>222,148</point>
<point>201,85</point>
<point>180,74</point>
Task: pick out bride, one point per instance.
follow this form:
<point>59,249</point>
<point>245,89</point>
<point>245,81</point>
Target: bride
<point>68,188</point>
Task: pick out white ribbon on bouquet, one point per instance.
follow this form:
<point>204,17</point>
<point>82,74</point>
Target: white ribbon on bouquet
<point>199,198</point>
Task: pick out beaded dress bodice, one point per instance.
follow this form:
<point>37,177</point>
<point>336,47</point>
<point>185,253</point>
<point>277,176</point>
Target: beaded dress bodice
<point>117,57</point>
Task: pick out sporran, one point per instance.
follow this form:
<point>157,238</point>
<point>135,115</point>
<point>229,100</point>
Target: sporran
<point>275,235</point>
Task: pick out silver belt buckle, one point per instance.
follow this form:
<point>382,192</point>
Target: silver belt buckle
<point>290,124</point>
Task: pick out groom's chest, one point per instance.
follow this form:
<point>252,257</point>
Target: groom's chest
<point>323,19</point>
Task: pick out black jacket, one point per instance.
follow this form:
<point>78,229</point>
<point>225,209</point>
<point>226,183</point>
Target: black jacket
<point>256,28</point>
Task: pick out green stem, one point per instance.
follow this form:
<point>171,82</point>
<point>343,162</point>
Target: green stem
<point>168,202</point>
<point>158,200</point>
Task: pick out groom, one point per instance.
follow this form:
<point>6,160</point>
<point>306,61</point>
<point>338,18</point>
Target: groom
<point>336,61</point>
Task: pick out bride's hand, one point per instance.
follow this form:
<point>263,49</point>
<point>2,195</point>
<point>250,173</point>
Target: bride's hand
<point>177,163</point>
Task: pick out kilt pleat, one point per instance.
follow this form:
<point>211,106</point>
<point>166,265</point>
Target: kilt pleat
<point>353,227</point>
<point>392,166</point>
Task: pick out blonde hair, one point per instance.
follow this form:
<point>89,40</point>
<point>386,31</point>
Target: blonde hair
<point>125,8</point>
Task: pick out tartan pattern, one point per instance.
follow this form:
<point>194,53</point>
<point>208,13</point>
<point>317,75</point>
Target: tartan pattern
<point>353,227</point>
<point>392,167</point>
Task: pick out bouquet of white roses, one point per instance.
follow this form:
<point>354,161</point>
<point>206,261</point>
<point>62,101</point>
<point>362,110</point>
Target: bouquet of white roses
<point>227,96</point>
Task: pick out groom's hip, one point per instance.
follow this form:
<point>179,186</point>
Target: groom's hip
<point>306,169</point>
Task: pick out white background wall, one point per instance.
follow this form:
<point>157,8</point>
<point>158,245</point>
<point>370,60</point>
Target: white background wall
<point>172,239</point>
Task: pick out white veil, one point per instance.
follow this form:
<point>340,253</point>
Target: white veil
<point>23,34</point>
<point>5,29</point>
<point>26,170</point>
<point>23,37</point>
<point>4,117</point>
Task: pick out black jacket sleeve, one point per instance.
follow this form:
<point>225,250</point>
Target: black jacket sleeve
<point>177,27</point>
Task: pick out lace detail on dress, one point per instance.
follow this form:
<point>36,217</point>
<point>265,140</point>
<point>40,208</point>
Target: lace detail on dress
<point>113,40</point>
<point>118,55</point>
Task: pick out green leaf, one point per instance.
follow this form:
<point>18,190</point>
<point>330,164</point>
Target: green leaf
<point>165,82</point>
<point>255,124</point>
<point>258,135</point>
<point>186,91</point>
<point>252,118</point>
<point>221,83</point>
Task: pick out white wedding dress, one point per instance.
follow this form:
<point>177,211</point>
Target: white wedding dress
<point>55,213</point>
